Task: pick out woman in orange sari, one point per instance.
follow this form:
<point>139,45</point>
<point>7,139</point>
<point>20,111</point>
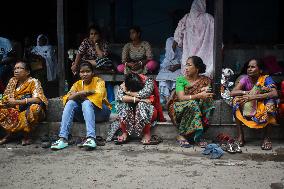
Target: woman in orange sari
<point>23,104</point>
<point>254,104</point>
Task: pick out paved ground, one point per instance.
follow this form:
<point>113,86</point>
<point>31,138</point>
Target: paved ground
<point>136,166</point>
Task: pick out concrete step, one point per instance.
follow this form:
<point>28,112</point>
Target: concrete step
<point>221,122</point>
<point>165,130</point>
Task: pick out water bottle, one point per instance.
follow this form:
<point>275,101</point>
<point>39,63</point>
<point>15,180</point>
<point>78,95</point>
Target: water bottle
<point>66,89</point>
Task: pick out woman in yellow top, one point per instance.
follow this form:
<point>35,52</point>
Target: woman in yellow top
<point>87,101</point>
<point>23,104</point>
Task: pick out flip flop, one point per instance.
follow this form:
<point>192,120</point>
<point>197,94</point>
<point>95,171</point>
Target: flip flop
<point>4,140</point>
<point>266,145</point>
<point>100,141</point>
<point>183,143</point>
<point>202,144</point>
<point>154,140</point>
<point>26,141</point>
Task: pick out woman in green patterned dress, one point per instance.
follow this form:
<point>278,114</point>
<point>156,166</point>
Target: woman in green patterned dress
<point>192,103</point>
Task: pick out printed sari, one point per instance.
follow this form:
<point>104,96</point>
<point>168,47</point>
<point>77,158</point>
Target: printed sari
<point>22,117</point>
<point>256,114</point>
<point>137,116</point>
<point>191,116</point>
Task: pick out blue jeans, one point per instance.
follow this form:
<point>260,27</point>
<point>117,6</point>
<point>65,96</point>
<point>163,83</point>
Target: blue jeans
<point>82,111</point>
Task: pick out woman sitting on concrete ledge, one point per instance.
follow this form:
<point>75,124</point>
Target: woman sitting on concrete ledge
<point>192,104</point>
<point>94,50</point>
<point>23,104</point>
<point>139,109</point>
<point>87,101</point>
<point>137,55</point>
<point>254,104</point>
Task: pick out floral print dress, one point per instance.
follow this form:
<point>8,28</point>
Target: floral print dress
<point>135,116</point>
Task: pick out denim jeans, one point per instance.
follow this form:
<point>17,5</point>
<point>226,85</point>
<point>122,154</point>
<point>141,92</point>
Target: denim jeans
<point>82,111</point>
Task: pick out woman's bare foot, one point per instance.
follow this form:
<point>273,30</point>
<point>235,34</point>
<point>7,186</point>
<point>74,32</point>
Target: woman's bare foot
<point>122,139</point>
<point>146,139</point>
<point>182,141</point>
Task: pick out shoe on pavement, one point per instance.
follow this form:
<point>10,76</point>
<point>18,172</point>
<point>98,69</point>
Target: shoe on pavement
<point>59,145</point>
<point>90,144</point>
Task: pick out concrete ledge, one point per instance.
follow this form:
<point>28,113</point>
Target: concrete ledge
<point>221,122</point>
<point>165,130</point>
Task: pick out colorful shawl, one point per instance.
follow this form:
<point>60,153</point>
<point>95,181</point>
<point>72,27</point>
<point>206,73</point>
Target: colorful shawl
<point>257,114</point>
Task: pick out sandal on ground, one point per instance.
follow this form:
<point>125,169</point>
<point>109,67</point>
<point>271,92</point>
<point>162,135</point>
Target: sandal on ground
<point>222,138</point>
<point>154,140</point>
<point>121,140</point>
<point>237,147</point>
<point>100,141</point>
<point>183,143</point>
<point>26,141</point>
<point>145,141</point>
<point>202,144</point>
<point>5,139</point>
<point>266,145</point>
<point>241,143</point>
<point>230,148</point>
<point>46,140</point>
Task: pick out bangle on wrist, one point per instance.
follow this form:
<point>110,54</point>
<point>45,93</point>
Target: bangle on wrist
<point>244,92</point>
<point>190,97</point>
<point>134,99</point>
<point>26,100</point>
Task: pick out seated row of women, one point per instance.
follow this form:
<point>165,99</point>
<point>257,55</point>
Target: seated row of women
<point>139,108</point>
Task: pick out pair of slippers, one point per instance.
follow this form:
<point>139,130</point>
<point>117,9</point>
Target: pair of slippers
<point>46,141</point>
<point>213,150</point>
